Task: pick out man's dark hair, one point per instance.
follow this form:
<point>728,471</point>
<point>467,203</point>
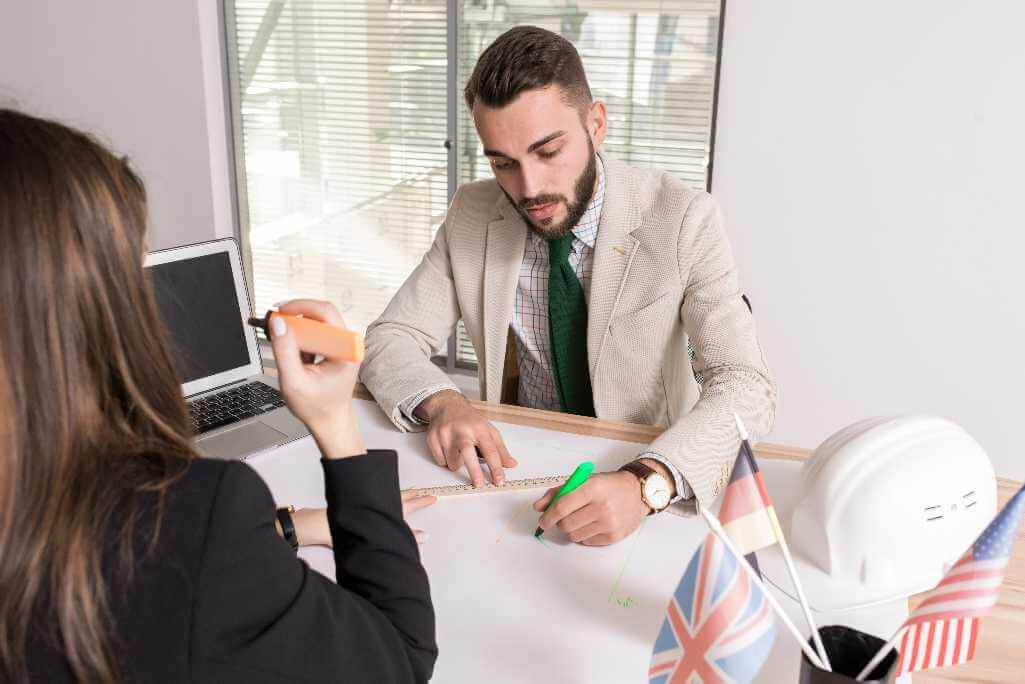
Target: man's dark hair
<point>525,58</point>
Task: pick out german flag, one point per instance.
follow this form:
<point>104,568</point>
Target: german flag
<point>746,513</point>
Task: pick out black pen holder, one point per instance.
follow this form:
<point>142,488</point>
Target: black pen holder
<point>849,650</point>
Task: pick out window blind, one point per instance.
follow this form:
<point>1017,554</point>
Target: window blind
<point>343,117</point>
<point>343,122</point>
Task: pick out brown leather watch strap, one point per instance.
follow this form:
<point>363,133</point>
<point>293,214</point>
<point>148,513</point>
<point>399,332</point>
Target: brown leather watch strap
<point>639,469</point>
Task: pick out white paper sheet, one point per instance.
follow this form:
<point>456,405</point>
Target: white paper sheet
<point>511,609</point>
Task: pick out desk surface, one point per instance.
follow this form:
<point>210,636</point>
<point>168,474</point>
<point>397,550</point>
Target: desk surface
<point>1000,655</point>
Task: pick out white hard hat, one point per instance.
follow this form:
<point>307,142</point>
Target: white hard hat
<point>882,509</point>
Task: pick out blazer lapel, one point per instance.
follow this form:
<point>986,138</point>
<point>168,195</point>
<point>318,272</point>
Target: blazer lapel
<point>503,255</point>
<point>613,255</point>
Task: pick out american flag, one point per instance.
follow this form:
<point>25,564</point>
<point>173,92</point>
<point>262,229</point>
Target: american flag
<point>718,628</point>
<point>943,629</point>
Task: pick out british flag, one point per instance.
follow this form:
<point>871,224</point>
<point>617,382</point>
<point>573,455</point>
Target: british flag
<point>943,629</point>
<point>718,628</point>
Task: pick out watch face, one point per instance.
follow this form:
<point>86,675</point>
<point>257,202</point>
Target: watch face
<point>656,491</point>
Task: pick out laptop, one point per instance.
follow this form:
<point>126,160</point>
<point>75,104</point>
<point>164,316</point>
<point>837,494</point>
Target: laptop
<point>236,409</point>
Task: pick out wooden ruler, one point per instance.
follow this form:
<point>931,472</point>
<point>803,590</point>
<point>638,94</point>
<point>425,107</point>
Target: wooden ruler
<point>509,486</point>
<point>489,488</point>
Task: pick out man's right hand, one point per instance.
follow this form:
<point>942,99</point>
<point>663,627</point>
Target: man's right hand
<point>457,431</point>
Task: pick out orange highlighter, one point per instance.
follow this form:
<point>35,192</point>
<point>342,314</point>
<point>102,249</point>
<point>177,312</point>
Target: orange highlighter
<point>315,337</point>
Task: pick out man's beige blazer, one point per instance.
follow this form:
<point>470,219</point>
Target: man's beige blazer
<point>662,271</point>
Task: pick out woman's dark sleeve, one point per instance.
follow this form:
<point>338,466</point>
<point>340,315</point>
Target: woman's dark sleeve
<point>263,615</point>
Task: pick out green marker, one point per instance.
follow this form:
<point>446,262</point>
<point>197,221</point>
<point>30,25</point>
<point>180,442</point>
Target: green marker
<point>578,478</point>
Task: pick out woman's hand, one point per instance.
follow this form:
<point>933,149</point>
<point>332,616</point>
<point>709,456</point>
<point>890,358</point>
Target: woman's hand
<point>319,394</point>
<point>412,502</point>
<point>312,529</point>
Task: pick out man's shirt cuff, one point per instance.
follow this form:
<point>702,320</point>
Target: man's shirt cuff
<point>410,404</point>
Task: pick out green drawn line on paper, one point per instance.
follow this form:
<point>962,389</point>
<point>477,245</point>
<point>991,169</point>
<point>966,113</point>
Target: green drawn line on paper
<point>628,601</point>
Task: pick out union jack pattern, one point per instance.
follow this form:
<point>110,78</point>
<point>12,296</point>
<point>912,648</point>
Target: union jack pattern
<point>718,628</point>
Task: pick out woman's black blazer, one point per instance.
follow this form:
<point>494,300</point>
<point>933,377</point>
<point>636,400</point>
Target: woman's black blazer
<point>224,599</point>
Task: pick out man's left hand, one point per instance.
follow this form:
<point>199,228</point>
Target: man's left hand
<point>603,510</point>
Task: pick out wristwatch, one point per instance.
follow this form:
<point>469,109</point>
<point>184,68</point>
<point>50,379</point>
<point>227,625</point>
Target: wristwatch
<point>654,487</point>
<point>288,527</point>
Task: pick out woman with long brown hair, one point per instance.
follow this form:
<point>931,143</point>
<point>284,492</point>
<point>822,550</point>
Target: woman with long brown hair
<point>123,557</point>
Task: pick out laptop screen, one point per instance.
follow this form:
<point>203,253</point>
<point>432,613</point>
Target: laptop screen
<point>199,306</point>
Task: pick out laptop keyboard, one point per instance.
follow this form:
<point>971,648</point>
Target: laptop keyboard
<point>230,406</point>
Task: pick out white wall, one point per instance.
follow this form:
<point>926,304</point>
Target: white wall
<point>133,73</point>
<point>871,161</point>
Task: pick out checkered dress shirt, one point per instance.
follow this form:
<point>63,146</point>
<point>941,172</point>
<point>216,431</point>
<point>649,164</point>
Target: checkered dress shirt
<point>530,320</point>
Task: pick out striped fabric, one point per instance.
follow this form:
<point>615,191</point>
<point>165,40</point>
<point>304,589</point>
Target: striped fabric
<point>747,514</point>
<point>939,643</point>
<point>718,628</point>
<point>943,629</point>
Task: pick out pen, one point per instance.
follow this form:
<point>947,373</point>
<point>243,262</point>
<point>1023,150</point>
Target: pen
<point>578,478</point>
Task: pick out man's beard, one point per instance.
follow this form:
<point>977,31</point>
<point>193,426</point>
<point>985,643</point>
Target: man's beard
<point>583,189</point>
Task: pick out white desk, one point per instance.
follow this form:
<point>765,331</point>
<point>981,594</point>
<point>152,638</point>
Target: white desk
<point>512,610</point>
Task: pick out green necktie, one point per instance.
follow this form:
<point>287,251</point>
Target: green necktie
<point>567,329</point>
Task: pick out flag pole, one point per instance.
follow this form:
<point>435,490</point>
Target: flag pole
<point>725,539</point>
<point>816,637</point>
<point>878,657</point>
